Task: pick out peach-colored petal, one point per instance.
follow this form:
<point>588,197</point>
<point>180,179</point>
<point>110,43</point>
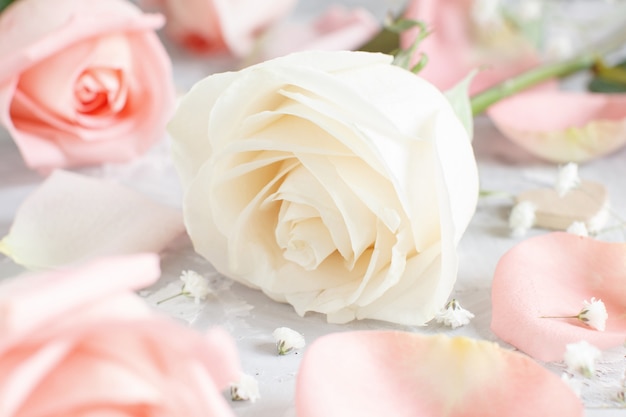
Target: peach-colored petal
<point>403,374</point>
<point>72,218</point>
<point>338,28</point>
<point>551,275</point>
<point>79,339</point>
<point>586,125</point>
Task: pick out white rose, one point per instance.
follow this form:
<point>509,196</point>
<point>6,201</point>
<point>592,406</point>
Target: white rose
<point>333,181</point>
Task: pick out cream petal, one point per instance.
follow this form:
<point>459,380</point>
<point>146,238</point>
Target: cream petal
<point>71,218</point>
<point>551,275</point>
<point>403,374</point>
<point>190,126</point>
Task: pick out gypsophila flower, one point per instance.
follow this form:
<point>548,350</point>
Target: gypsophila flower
<point>522,218</point>
<point>574,384</point>
<point>578,229</point>
<point>195,285</point>
<point>246,389</point>
<point>287,340</point>
<point>454,315</point>
<point>581,357</point>
<point>566,179</point>
<point>594,314</point>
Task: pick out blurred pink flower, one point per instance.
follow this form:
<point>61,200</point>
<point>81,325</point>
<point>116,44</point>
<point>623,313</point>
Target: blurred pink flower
<point>77,342</point>
<point>82,82</point>
<point>401,374</point>
<point>551,275</point>
<point>458,44</point>
<point>338,28</point>
<point>215,26</point>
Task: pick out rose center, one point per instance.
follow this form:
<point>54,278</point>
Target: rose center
<point>101,91</point>
<point>305,240</point>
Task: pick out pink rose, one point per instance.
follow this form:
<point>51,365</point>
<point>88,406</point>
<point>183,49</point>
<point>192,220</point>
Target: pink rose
<point>215,26</point>
<point>79,342</point>
<point>82,82</point>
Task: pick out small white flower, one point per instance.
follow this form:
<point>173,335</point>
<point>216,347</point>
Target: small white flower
<point>581,357</point>
<point>578,229</point>
<point>567,179</point>
<point>522,218</point>
<point>195,285</point>
<point>246,389</point>
<point>574,384</point>
<point>454,315</point>
<point>594,314</point>
<point>287,340</point>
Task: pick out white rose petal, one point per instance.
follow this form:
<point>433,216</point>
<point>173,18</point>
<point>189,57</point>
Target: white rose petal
<point>333,181</point>
<point>72,218</point>
<point>581,357</point>
<point>287,340</point>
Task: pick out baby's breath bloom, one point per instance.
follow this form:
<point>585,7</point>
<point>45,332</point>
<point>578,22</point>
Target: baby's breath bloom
<point>581,357</point>
<point>454,315</point>
<point>195,285</point>
<point>594,314</point>
<point>246,389</point>
<point>287,340</point>
<point>578,228</point>
<point>522,218</point>
<point>567,179</point>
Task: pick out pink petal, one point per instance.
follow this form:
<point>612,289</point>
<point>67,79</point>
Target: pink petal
<point>388,373</point>
<point>551,275</point>
<point>587,125</point>
<point>452,52</point>
<point>338,28</point>
<point>29,302</point>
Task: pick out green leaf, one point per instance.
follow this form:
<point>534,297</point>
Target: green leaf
<point>385,41</point>
<point>608,79</point>
<point>4,4</point>
<point>459,98</point>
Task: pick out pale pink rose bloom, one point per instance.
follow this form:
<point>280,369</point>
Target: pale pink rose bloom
<point>586,125</point>
<point>402,374</point>
<point>453,52</point>
<point>215,26</point>
<point>82,82</point>
<point>338,28</point>
<point>78,342</point>
<point>551,275</point>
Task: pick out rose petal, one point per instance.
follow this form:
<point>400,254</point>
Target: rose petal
<point>403,374</point>
<point>71,218</point>
<point>587,125</point>
<point>453,53</point>
<point>338,28</point>
<point>551,275</point>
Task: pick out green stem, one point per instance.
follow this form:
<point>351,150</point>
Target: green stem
<point>481,101</point>
<point>171,297</point>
